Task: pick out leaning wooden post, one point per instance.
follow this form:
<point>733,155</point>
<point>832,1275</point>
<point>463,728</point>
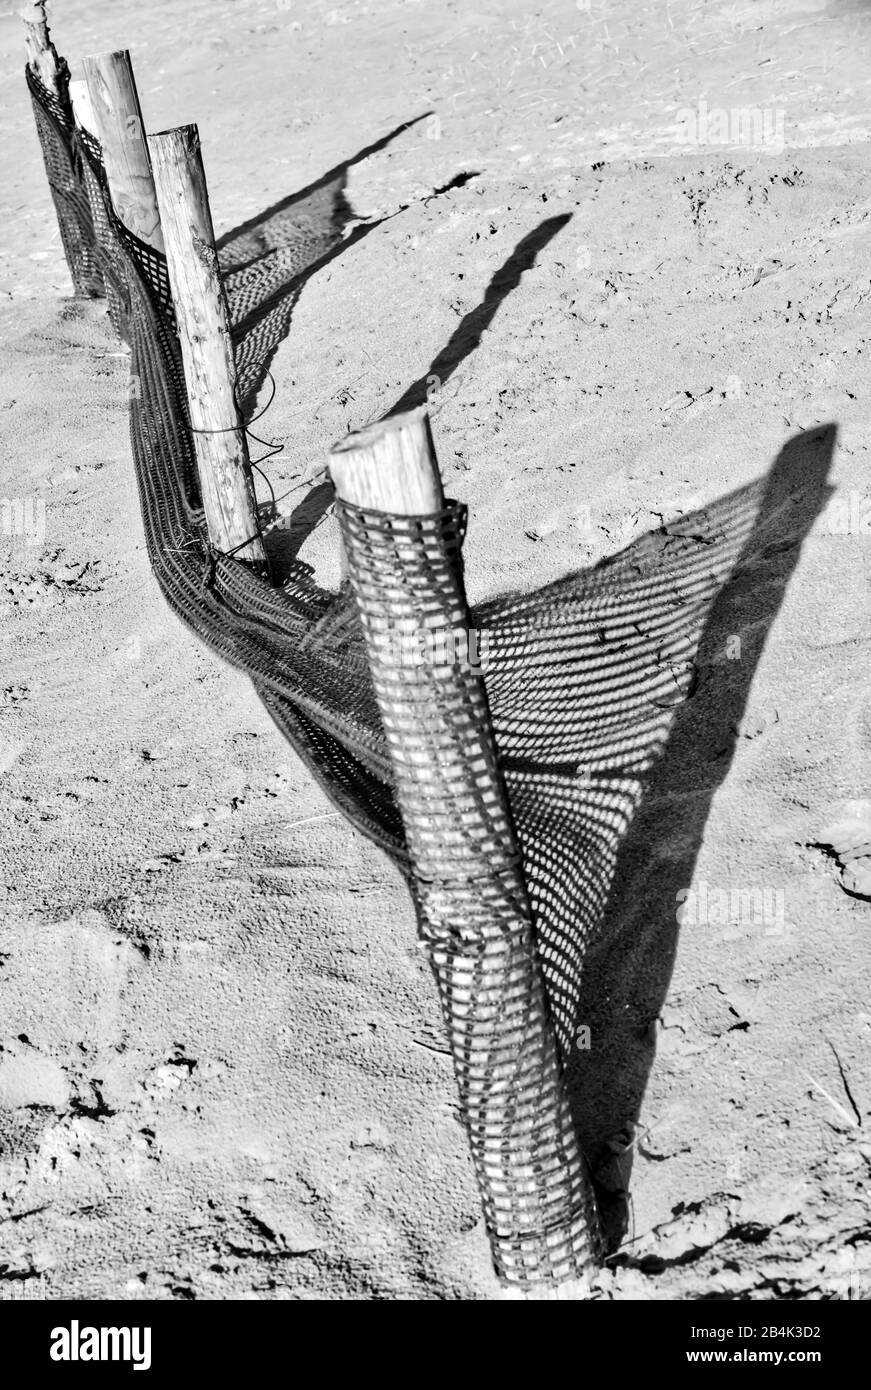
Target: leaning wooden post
<point>49,82</point>
<point>467,878</point>
<point>207,350</point>
<point>121,133</point>
<point>42,56</point>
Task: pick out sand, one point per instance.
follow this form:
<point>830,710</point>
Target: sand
<point>222,1067</point>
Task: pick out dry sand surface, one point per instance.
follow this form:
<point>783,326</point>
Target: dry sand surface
<point>222,1066</point>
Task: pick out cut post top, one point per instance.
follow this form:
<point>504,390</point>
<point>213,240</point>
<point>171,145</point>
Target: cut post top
<point>390,466</point>
<point>177,160</point>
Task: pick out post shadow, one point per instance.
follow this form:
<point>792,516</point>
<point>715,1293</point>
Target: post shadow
<point>266,261</point>
<point>462,342</point>
<point>467,335</point>
<point>244,243</point>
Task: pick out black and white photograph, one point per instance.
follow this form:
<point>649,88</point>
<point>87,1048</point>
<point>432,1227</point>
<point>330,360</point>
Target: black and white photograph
<point>435,682</point>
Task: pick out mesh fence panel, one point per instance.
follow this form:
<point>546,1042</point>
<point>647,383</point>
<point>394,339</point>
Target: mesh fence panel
<point>582,681</point>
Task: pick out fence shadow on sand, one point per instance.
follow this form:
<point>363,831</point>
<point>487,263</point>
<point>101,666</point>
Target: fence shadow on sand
<point>629,960</point>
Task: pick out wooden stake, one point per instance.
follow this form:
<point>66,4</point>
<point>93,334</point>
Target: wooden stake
<point>82,109</point>
<point>207,350</point>
<point>390,467</point>
<point>121,133</point>
<point>42,56</point>
<point>469,883</point>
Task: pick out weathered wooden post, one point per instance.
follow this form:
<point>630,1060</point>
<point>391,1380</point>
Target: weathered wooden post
<point>49,81</point>
<point>80,102</point>
<point>119,127</point>
<point>475,920</point>
<point>42,56</point>
<point>207,350</point>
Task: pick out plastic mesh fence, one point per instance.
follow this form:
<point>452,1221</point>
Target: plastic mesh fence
<point>582,680</point>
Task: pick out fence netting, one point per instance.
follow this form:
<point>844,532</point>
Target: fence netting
<point>582,680</point>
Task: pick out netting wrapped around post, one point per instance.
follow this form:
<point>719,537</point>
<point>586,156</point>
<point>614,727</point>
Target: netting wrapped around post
<point>467,879</point>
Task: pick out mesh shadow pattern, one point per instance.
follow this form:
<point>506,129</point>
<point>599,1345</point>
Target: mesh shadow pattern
<point>582,679</point>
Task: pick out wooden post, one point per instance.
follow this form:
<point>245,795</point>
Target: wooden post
<point>51,71</point>
<point>42,56</point>
<point>474,913</point>
<point>390,466</point>
<point>80,101</point>
<point>121,133</point>
<point>389,470</point>
<point>206,346</point>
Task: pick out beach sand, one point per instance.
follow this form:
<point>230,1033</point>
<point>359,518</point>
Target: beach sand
<point>223,1072</point>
